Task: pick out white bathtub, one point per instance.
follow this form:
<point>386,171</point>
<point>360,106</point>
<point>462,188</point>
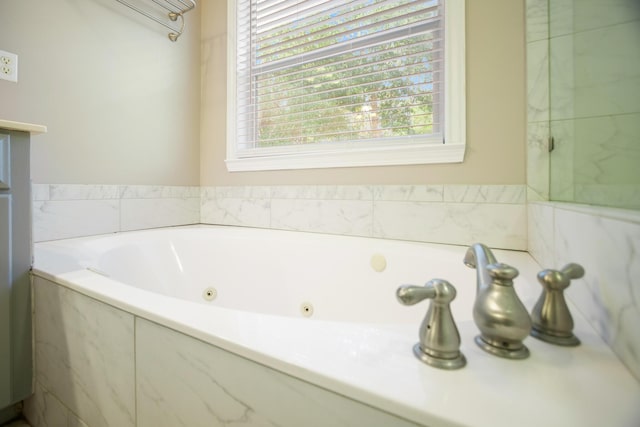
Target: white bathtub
<point>322,309</point>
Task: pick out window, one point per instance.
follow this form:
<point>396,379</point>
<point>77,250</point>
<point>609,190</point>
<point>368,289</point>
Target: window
<point>334,83</point>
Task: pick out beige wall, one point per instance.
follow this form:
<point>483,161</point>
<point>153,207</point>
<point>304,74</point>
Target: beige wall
<point>122,103</point>
<point>496,118</point>
<point>120,100</point>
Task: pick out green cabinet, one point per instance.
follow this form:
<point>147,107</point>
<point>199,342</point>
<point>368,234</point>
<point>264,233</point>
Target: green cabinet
<point>16,360</point>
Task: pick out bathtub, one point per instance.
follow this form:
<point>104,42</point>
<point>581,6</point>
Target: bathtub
<point>209,325</point>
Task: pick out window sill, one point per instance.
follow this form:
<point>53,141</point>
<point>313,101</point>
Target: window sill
<point>357,157</point>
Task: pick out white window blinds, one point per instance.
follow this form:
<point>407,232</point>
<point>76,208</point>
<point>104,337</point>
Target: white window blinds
<point>327,75</point>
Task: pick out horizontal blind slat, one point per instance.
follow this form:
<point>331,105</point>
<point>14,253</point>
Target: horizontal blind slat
<point>361,58</point>
<point>325,137</point>
<point>288,48</point>
<point>365,42</point>
<point>311,26</point>
<point>353,117</point>
<point>328,94</point>
<point>313,85</point>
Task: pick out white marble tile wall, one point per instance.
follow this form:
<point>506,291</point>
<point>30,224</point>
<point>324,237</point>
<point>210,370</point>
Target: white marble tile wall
<point>100,366</point>
<point>456,214</point>
<point>84,357</point>
<point>185,382</point>
<point>606,242</point>
<point>63,211</point>
<point>44,409</point>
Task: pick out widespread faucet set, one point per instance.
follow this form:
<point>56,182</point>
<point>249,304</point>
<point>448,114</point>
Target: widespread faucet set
<point>498,312</point>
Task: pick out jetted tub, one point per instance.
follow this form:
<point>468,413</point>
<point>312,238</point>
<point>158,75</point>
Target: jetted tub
<point>238,326</point>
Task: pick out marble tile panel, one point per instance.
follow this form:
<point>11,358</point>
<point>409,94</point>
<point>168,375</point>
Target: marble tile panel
<point>84,353</point>
<point>207,193</point>
<point>343,192</point>
<point>409,193</point>
<point>294,192</point>
<point>607,70</point>
<point>74,218</point>
<point>537,20</point>
<point>348,217</point>
<point>243,192</point>
<point>43,409</point>
<point>158,191</point>
<point>185,382</point>
<point>621,196</point>
<point>538,159</point>
<point>511,194</point>
<point>82,192</point>
<point>137,214</point>
<point>75,421</point>
<point>496,225</point>
<point>322,192</point>
<point>541,234</point>
<point>538,81</point>
<point>40,192</point>
<point>417,221</point>
<point>609,294</point>
<point>572,16</point>
<point>608,151</point>
<point>236,211</point>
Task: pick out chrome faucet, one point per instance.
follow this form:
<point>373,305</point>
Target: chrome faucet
<point>498,312</point>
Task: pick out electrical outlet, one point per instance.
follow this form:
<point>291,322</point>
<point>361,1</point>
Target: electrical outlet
<point>8,66</point>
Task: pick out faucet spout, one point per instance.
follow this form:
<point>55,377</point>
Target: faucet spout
<point>498,312</point>
<point>479,256</point>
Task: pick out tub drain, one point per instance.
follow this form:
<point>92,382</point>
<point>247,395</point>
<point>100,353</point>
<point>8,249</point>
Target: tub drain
<point>306,309</point>
<point>209,294</point>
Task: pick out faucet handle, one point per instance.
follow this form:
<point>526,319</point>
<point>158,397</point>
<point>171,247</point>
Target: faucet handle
<point>552,321</point>
<point>439,344</point>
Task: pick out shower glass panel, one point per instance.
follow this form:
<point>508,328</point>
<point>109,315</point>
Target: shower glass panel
<point>594,51</point>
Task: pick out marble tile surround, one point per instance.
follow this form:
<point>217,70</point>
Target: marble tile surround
<point>183,381</point>
<point>84,354</point>
<point>456,214</point>
<point>100,366</point>
<point>63,211</point>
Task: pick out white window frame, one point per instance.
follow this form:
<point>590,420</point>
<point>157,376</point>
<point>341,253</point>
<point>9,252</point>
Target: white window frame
<point>451,150</point>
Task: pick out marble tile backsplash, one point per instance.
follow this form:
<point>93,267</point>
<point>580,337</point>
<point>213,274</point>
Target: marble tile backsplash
<point>455,214</point>
<point>63,211</point>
